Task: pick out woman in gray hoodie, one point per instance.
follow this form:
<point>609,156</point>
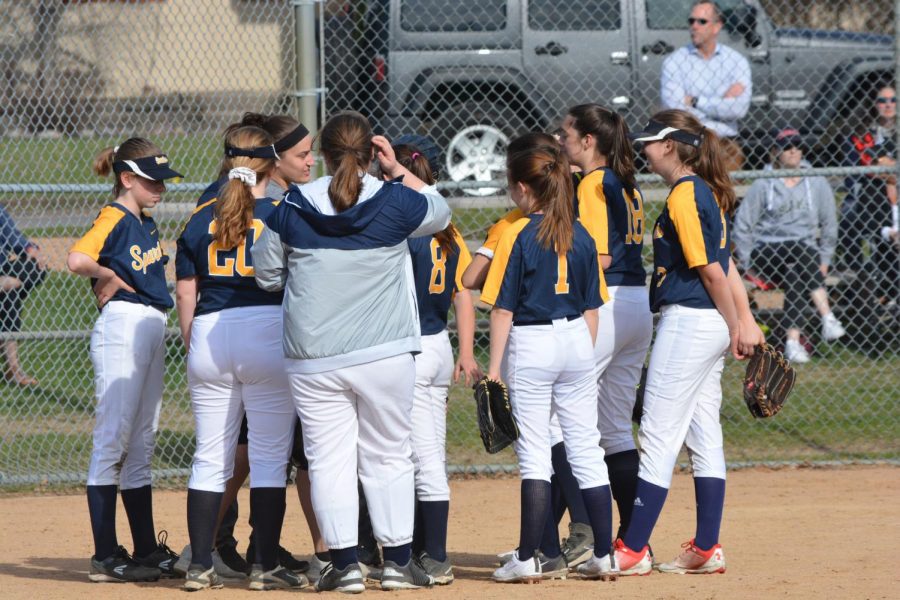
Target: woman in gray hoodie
<point>786,230</point>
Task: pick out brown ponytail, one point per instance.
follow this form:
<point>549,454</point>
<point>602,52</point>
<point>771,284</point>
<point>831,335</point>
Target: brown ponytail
<point>346,143</point>
<point>234,208</point>
<point>412,158</point>
<point>707,161</point>
<point>611,134</point>
<point>545,170</point>
<point>128,150</point>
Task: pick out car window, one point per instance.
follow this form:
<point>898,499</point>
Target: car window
<point>460,15</point>
<point>673,14</point>
<point>583,15</point>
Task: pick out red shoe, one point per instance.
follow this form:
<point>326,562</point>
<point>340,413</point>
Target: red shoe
<point>631,562</point>
<point>695,561</point>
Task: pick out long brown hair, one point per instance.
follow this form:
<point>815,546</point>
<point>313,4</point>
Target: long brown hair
<point>234,208</point>
<point>611,135</point>
<point>412,158</point>
<point>707,161</point>
<point>545,170</point>
<point>346,144</point>
<point>130,149</point>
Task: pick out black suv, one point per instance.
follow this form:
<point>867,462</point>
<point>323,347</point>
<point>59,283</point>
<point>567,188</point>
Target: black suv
<point>474,73</point>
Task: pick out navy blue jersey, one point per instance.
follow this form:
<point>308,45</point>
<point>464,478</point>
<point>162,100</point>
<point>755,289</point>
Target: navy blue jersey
<point>691,231</point>
<point>536,283</point>
<point>615,219</point>
<point>129,245</point>
<point>212,191</point>
<point>225,276</point>
<point>438,276</point>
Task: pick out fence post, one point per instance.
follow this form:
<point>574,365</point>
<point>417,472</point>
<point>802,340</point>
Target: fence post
<point>306,91</point>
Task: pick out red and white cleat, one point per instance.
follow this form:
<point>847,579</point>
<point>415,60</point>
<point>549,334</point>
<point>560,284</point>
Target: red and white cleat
<point>694,561</point>
<point>631,562</point>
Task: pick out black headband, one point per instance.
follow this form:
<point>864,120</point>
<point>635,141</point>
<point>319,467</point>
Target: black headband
<point>260,152</point>
<point>291,139</point>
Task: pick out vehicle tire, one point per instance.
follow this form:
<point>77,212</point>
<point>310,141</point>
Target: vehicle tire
<point>474,136</point>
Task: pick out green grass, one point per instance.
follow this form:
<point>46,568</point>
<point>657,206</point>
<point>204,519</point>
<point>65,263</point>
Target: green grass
<point>68,160</point>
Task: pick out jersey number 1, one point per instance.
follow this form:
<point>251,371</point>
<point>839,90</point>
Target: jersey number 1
<point>562,274</point>
<point>225,262</point>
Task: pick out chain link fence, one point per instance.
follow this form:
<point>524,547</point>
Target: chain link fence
<point>78,76</point>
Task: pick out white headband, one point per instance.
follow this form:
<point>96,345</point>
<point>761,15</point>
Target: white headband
<point>245,174</point>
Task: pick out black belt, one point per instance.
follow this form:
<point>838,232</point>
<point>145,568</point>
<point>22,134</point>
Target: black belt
<point>544,321</point>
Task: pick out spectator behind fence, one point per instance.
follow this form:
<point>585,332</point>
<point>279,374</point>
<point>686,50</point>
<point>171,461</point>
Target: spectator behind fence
<point>22,268</point>
<point>709,80</point>
<point>871,200</point>
<point>786,230</point>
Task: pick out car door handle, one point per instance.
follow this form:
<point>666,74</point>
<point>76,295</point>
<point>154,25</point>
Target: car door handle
<point>551,48</point>
<point>619,57</point>
<point>657,47</point>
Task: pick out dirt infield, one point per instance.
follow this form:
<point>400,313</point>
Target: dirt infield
<point>791,533</point>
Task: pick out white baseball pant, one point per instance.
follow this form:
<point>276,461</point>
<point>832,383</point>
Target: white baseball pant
<point>128,354</point>
<point>684,394</point>
<point>357,420</point>
<point>550,369</point>
<point>623,338</point>
<point>434,370</point>
<point>236,364</point>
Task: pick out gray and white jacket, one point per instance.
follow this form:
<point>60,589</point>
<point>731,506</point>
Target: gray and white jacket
<point>349,290</point>
<point>771,212</point>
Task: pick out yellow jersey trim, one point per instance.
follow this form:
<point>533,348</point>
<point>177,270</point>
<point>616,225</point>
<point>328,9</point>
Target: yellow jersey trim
<point>682,206</point>
<point>491,288</point>
<point>465,258</point>
<point>93,241</point>
<point>592,209</point>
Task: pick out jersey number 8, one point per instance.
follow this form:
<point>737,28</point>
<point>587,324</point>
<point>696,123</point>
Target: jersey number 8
<point>635,206</point>
<point>224,262</point>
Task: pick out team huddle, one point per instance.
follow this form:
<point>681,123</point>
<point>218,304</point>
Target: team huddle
<point>315,319</point>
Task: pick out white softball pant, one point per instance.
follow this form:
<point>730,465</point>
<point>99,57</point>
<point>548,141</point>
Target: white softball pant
<point>623,338</point>
<point>550,369</point>
<point>684,394</point>
<point>236,364</point>
<point>128,352</point>
<point>434,369</point>
<point>357,420</point>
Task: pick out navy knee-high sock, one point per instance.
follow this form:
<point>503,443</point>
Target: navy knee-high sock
<point>341,558</point>
<point>550,537</point>
<point>535,504</point>
<point>648,503</point>
<point>138,504</point>
<point>418,541</point>
<point>557,500</point>
<point>102,509</point>
<point>400,555</point>
<point>710,494</point>
<point>623,475</point>
<point>568,484</point>
<point>434,515</point>
<point>202,510</point>
<point>267,505</point>
<point>598,502</point>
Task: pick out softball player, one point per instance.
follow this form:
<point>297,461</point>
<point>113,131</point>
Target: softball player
<point>349,338</point>
<point>610,206</point>
<point>293,146</point>
<point>544,286</point>
<point>234,368</point>
<point>125,261</point>
<point>704,312</point>
<point>438,262</point>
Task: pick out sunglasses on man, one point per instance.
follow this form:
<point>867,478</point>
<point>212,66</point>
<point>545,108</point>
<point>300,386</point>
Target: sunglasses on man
<point>883,100</point>
<point>692,20</point>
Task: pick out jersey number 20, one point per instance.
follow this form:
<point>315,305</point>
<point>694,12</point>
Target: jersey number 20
<point>226,262</point>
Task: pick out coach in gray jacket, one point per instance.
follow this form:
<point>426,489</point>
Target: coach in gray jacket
<point>786,231</point>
